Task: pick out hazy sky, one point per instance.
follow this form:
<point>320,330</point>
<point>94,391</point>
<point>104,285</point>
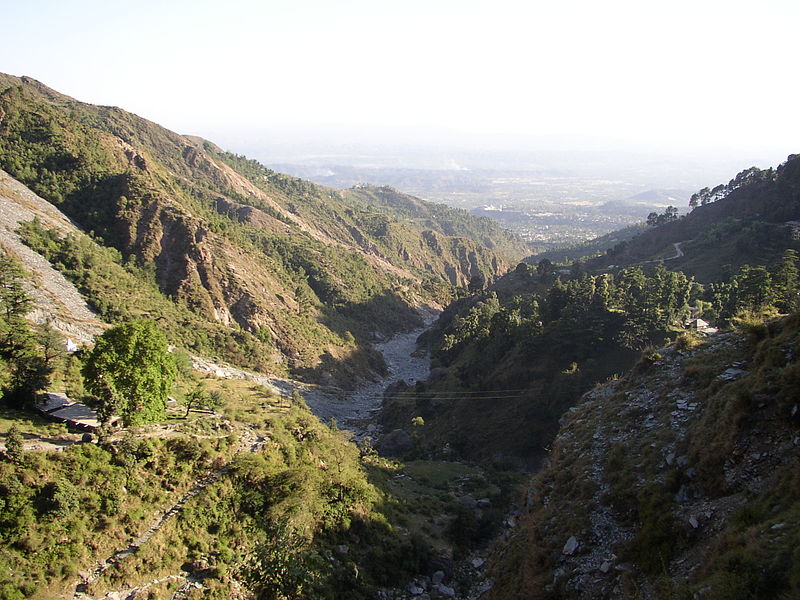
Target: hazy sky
<point>683,73</point>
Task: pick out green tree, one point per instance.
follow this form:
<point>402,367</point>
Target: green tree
<point>755,287</point>
<point>14,449</point>
<point>130,373</point>
<point>785,282</point>
<point>15,301</point>
<point>201,399</point>
<point>27,371</point>
<point>284,567</point>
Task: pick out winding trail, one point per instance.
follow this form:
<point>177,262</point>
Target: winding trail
<point>351,409</point>
<point>119,556</point>
<point>678,254</point>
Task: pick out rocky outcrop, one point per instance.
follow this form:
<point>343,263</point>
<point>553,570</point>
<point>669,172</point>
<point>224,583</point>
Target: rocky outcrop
<point>55,299</point>
<point>662,474</point>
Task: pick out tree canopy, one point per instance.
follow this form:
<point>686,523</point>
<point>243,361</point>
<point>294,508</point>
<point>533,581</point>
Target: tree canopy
<point>130,372</point>
<point>23,368</point>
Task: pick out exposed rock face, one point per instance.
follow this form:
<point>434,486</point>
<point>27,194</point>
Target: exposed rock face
<point>55,299</point>
<point>263,253</point>
<point>648,474</point>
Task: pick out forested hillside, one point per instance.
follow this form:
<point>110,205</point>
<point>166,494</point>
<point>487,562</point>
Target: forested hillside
<point>746,221</point>
<point>295,277</point>
<point>654,387</point>
<point>508,362</point>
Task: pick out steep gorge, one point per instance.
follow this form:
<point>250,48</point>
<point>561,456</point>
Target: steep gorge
<point>299,278</point>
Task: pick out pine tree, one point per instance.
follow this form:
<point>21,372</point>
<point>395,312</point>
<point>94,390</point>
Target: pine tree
<point>785,283</point>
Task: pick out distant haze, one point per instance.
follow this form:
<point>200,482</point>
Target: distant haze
<point>689,78</point>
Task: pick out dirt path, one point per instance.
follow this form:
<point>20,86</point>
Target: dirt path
<point>678,251</point>
<point>350,409</point>
<point>249,445</point>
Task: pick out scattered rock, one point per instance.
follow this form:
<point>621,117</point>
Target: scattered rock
<point>468,501</point>
<point>477,563</point>
<point>437,578</point>
<point>605,567</point>
<point>731,374</point>
<point>414,589</point>
<point>570,546</point>
<point>483,587</point>
<point>443,564</point>
<point>446,590</point>
<point>693,522</point>
<point>682,495</point>
<point>484,503</point>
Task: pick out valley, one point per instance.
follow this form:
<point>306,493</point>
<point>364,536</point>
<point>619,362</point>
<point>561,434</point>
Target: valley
<point>314,392</point>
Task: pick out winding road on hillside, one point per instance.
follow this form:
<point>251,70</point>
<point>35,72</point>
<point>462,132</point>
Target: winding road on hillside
<point>678,254</point>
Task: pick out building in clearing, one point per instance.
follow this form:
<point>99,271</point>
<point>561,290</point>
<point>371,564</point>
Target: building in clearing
<point>702,326</point>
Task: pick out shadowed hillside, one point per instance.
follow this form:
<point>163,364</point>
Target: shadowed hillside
<point>291,271</point>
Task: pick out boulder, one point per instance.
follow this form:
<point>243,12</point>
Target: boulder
<point>414,589</point>
<point>441,563</point>
<point>395,444</point>
<point>445,590</point>
<point>570,547</point>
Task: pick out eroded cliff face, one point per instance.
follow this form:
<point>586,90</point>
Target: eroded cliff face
<point>263,253</point>
<point>56,300</point>
<point>679,480</point>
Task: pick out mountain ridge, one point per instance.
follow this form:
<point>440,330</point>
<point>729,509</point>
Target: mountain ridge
<point>191,216</point>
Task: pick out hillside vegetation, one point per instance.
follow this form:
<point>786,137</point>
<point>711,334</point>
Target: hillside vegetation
<point>743,222</point>
<point>668,455</point>
<point>286,272</point>
<point>225,487</point>
<point>509,361</point>
<point>679,480</point>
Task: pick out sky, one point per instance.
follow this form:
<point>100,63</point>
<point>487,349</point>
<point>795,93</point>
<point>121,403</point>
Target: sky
<point>680,74</point>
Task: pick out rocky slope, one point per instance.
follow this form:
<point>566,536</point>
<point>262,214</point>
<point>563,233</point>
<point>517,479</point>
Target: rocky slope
<point>679,480</point>
<point>296,274</point>
<point>55,298</point>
